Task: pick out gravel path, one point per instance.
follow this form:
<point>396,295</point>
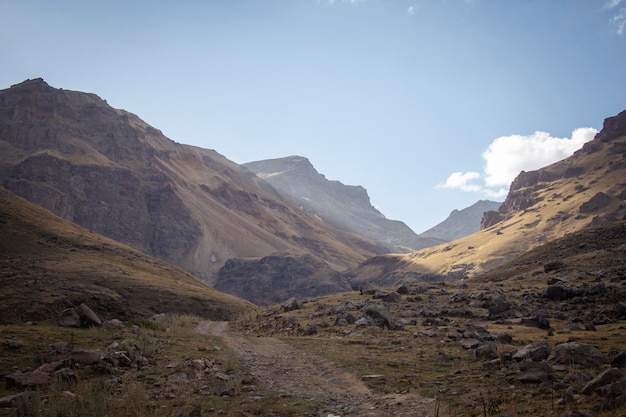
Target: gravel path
<point>302,374</point>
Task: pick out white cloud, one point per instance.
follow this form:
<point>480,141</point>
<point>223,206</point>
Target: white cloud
<point>507,156</point>
<point>619,18</point>
<point>411,10</point>
<point>461,180</point>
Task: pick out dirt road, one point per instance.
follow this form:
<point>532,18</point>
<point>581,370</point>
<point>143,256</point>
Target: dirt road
<point>295,372</point>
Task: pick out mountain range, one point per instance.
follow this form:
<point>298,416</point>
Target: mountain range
<point>110,172</point>
<point>277,228</point>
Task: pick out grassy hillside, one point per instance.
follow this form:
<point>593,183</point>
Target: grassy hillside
<point>48,264</point>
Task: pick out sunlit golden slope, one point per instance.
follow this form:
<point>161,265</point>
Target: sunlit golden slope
<point>587,188</point>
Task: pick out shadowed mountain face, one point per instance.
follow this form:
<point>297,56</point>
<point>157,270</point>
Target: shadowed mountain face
<point>461,223</point>
<point>49,264</point>
<point>110,172</point>
<point>344,206</point>
<point>586,189</point>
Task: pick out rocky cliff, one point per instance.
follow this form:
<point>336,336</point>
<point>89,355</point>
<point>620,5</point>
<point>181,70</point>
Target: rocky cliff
<point>605,154</point>
<point>110,172</point>
<point>347,207</point>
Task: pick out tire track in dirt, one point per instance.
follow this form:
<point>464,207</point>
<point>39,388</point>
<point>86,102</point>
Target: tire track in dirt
<point>302,374</point>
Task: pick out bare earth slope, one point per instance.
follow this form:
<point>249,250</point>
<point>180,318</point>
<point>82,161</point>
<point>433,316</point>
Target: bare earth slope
<point>48,264</point>
<point>585,189</point>
<point>112,173</point>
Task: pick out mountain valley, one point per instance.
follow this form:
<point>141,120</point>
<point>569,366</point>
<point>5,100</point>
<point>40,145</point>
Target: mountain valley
<point>125,259</point>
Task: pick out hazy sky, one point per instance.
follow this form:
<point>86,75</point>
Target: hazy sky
<point>429,104</point>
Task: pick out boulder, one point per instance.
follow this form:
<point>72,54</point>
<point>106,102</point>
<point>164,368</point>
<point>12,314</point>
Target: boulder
<point>533,372</point>
<point>392,297</point>
<point>370,289</point>
<point>538,321</point>
<point>87,316</point>
<point>379,315</point>
<point>604,378</point>
<point>85,356</point>
<point>28,379</point>
<point>536,352</point>
<point>619,360</point>
<point>561,292</point>
<point>470,343</point>
<point>11,400</point>
<point>291,304</point>
<point>486,351</point>
<point>579,353</point>
<point>69,318</point>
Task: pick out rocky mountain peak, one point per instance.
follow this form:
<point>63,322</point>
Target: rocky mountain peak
<point>347,207</point>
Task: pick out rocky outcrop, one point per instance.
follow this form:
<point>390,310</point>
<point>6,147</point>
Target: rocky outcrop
<point>525,190</point>
<point>276,278</point>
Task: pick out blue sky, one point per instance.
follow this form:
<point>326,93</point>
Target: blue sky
<point>429,104</point>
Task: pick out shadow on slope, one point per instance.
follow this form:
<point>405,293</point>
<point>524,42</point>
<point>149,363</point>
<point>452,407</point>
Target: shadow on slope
<point>49,264</point>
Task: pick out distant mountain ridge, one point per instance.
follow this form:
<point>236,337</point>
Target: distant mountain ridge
<point>343,206</point>
<point>461,223</point>
<point>110,172</point>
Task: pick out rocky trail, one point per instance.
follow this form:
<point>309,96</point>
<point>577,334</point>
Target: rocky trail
<point>303,374</point>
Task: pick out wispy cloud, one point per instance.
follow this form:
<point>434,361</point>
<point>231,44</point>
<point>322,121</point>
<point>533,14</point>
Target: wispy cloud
<point>507,156</point>
<point>618,20</point>
<point>411,10</point>
<point>611,4</point>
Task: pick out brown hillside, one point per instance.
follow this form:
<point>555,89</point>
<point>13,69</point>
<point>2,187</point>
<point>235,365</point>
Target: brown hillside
<point>585,189</point>
<point>48,264</point>
<point>108,171</point>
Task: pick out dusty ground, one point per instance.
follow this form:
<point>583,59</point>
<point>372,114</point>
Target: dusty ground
<point>303,374</point>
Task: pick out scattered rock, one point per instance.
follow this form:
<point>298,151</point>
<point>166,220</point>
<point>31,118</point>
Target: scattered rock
<point>535,352</point>
<point>371,289</point>
<point>69,318</point>
<point>538,321</point>
<point>11,400</point>
<point>470,343</point>
<point>619,361</point>
<point>291,304</point>
<point>604,378</point>
<point>554,266</point>
<point>392,297</point>
<point>561,292</point>
<point>533,372</point>
<point>28,379</point>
